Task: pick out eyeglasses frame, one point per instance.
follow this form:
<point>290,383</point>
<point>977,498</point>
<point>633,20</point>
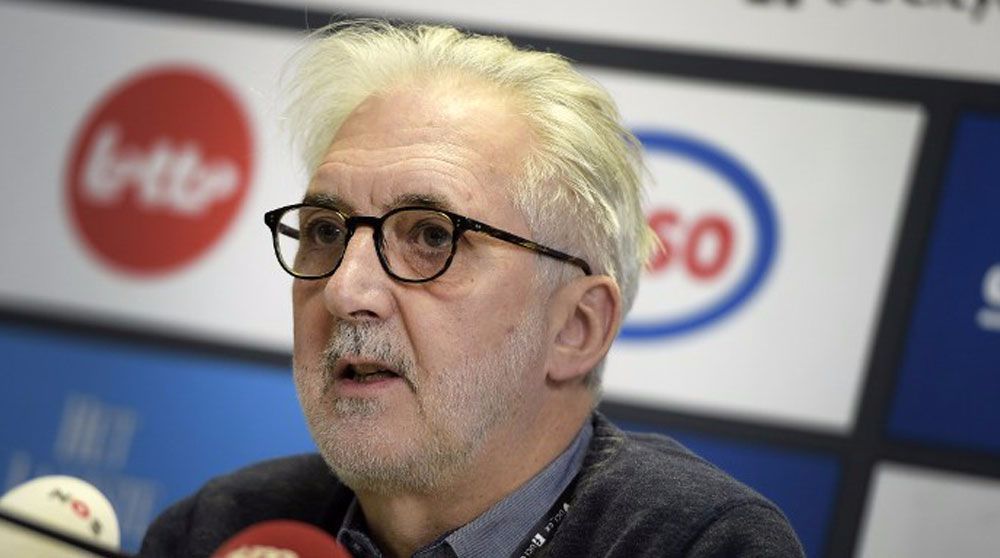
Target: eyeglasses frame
<point>461,223</point>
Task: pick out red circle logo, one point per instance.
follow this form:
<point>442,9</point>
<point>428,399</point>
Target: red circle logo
<point>159,170</point>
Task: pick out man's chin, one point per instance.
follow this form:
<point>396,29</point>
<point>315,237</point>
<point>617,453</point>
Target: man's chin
<point>354,409</point>
<point>380,467</point>
<point>377,456</point>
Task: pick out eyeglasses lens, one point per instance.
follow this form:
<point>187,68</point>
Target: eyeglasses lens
<point>416,243</point>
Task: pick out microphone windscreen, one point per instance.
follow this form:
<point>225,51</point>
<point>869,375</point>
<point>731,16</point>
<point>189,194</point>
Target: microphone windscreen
<point>281,538</point>
<point>61,503</point>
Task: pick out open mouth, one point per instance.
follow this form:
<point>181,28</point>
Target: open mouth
<point>367,373</point>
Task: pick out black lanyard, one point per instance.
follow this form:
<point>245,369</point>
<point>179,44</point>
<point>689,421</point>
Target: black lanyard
<point>546,528</point>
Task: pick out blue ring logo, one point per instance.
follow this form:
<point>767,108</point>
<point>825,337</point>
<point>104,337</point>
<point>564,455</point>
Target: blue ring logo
<point>765,227</point>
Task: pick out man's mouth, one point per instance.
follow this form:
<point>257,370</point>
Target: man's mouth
<point>364,373</point>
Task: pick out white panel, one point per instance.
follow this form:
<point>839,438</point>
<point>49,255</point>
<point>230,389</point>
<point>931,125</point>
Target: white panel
<point>958,38</point>
<point>59,63</point>
<point>834,168</point>
<point>921,513</point>
<point>836,171</point>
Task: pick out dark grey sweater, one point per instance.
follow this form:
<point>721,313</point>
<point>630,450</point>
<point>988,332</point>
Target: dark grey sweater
<point>638,495</point>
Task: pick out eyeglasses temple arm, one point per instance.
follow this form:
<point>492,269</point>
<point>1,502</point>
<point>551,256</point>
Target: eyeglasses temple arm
<point>287,231</point>
<point>525,243</point>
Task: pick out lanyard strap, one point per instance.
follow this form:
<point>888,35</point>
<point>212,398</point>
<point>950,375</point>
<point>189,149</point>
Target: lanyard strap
<point>546,528</point>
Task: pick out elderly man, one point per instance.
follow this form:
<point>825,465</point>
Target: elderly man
<point>467,246</point>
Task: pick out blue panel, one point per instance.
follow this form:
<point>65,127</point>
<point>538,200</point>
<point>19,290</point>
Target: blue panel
<point>802,484</point>
<point>146,426</point>
<point>949,383</point>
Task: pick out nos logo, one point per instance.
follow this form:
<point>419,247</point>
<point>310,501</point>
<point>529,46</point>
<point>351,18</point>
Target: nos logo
<point>719,236</point>
<point>159,170</point>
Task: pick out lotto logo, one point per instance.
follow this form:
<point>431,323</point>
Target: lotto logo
<point>718,233</point>
<point>159,170</point>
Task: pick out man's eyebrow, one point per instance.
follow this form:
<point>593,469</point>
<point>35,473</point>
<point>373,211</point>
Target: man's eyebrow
<point>331,201</point>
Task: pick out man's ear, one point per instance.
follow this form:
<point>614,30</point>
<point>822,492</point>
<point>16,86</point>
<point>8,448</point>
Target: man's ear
<point>586,314</point>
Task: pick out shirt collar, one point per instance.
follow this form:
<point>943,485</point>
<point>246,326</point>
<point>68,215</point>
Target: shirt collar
<point>498,530</point>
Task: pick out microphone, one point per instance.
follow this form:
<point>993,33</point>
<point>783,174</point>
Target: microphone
<point>281,538</point>
<point>58,516</point>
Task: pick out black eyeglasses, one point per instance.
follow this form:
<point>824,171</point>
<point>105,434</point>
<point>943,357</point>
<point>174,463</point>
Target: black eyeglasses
<point>414,244</point>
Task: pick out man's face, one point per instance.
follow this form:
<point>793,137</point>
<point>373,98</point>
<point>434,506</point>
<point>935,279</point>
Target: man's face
<point>404,384</point>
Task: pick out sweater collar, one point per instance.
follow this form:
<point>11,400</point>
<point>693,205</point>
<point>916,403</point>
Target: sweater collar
<point>497,531</point>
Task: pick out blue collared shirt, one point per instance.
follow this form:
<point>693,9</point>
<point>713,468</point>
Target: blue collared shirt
<point>500,529</point>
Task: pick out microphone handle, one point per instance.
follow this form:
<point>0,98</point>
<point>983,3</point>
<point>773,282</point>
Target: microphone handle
<point>63,537</point>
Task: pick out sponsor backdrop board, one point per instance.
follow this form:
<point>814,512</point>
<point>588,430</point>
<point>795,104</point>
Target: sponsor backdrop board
<point>144,151</point>
<point>140,148</point>
<point>147,426</point>
<point>923,513</point>
<point>949,383</point>
<point>155,218</point>
<point>888,35</point>
<point>763,243</point>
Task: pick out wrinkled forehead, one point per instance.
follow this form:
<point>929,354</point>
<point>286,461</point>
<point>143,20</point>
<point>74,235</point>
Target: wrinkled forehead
<point>476,117</point>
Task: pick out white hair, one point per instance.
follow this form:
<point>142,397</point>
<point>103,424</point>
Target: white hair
<point>580,189</point>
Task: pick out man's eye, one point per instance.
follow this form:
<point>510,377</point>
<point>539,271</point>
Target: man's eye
<point>433,236</point>
<point>322,232</point>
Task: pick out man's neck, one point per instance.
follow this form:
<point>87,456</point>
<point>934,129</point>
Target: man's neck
<point>401,524</point>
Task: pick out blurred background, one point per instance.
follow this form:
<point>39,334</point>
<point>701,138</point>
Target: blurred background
<point>824,323</point>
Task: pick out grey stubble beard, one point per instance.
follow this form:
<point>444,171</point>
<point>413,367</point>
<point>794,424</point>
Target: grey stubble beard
<point>467,401</point>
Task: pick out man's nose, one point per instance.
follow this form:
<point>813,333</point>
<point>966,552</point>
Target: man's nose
<point>359,288</point>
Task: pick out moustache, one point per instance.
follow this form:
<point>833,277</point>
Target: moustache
<point>370,342</point>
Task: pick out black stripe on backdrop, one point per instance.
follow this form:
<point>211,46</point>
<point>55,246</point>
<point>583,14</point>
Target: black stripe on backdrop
<point>942,100</point>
